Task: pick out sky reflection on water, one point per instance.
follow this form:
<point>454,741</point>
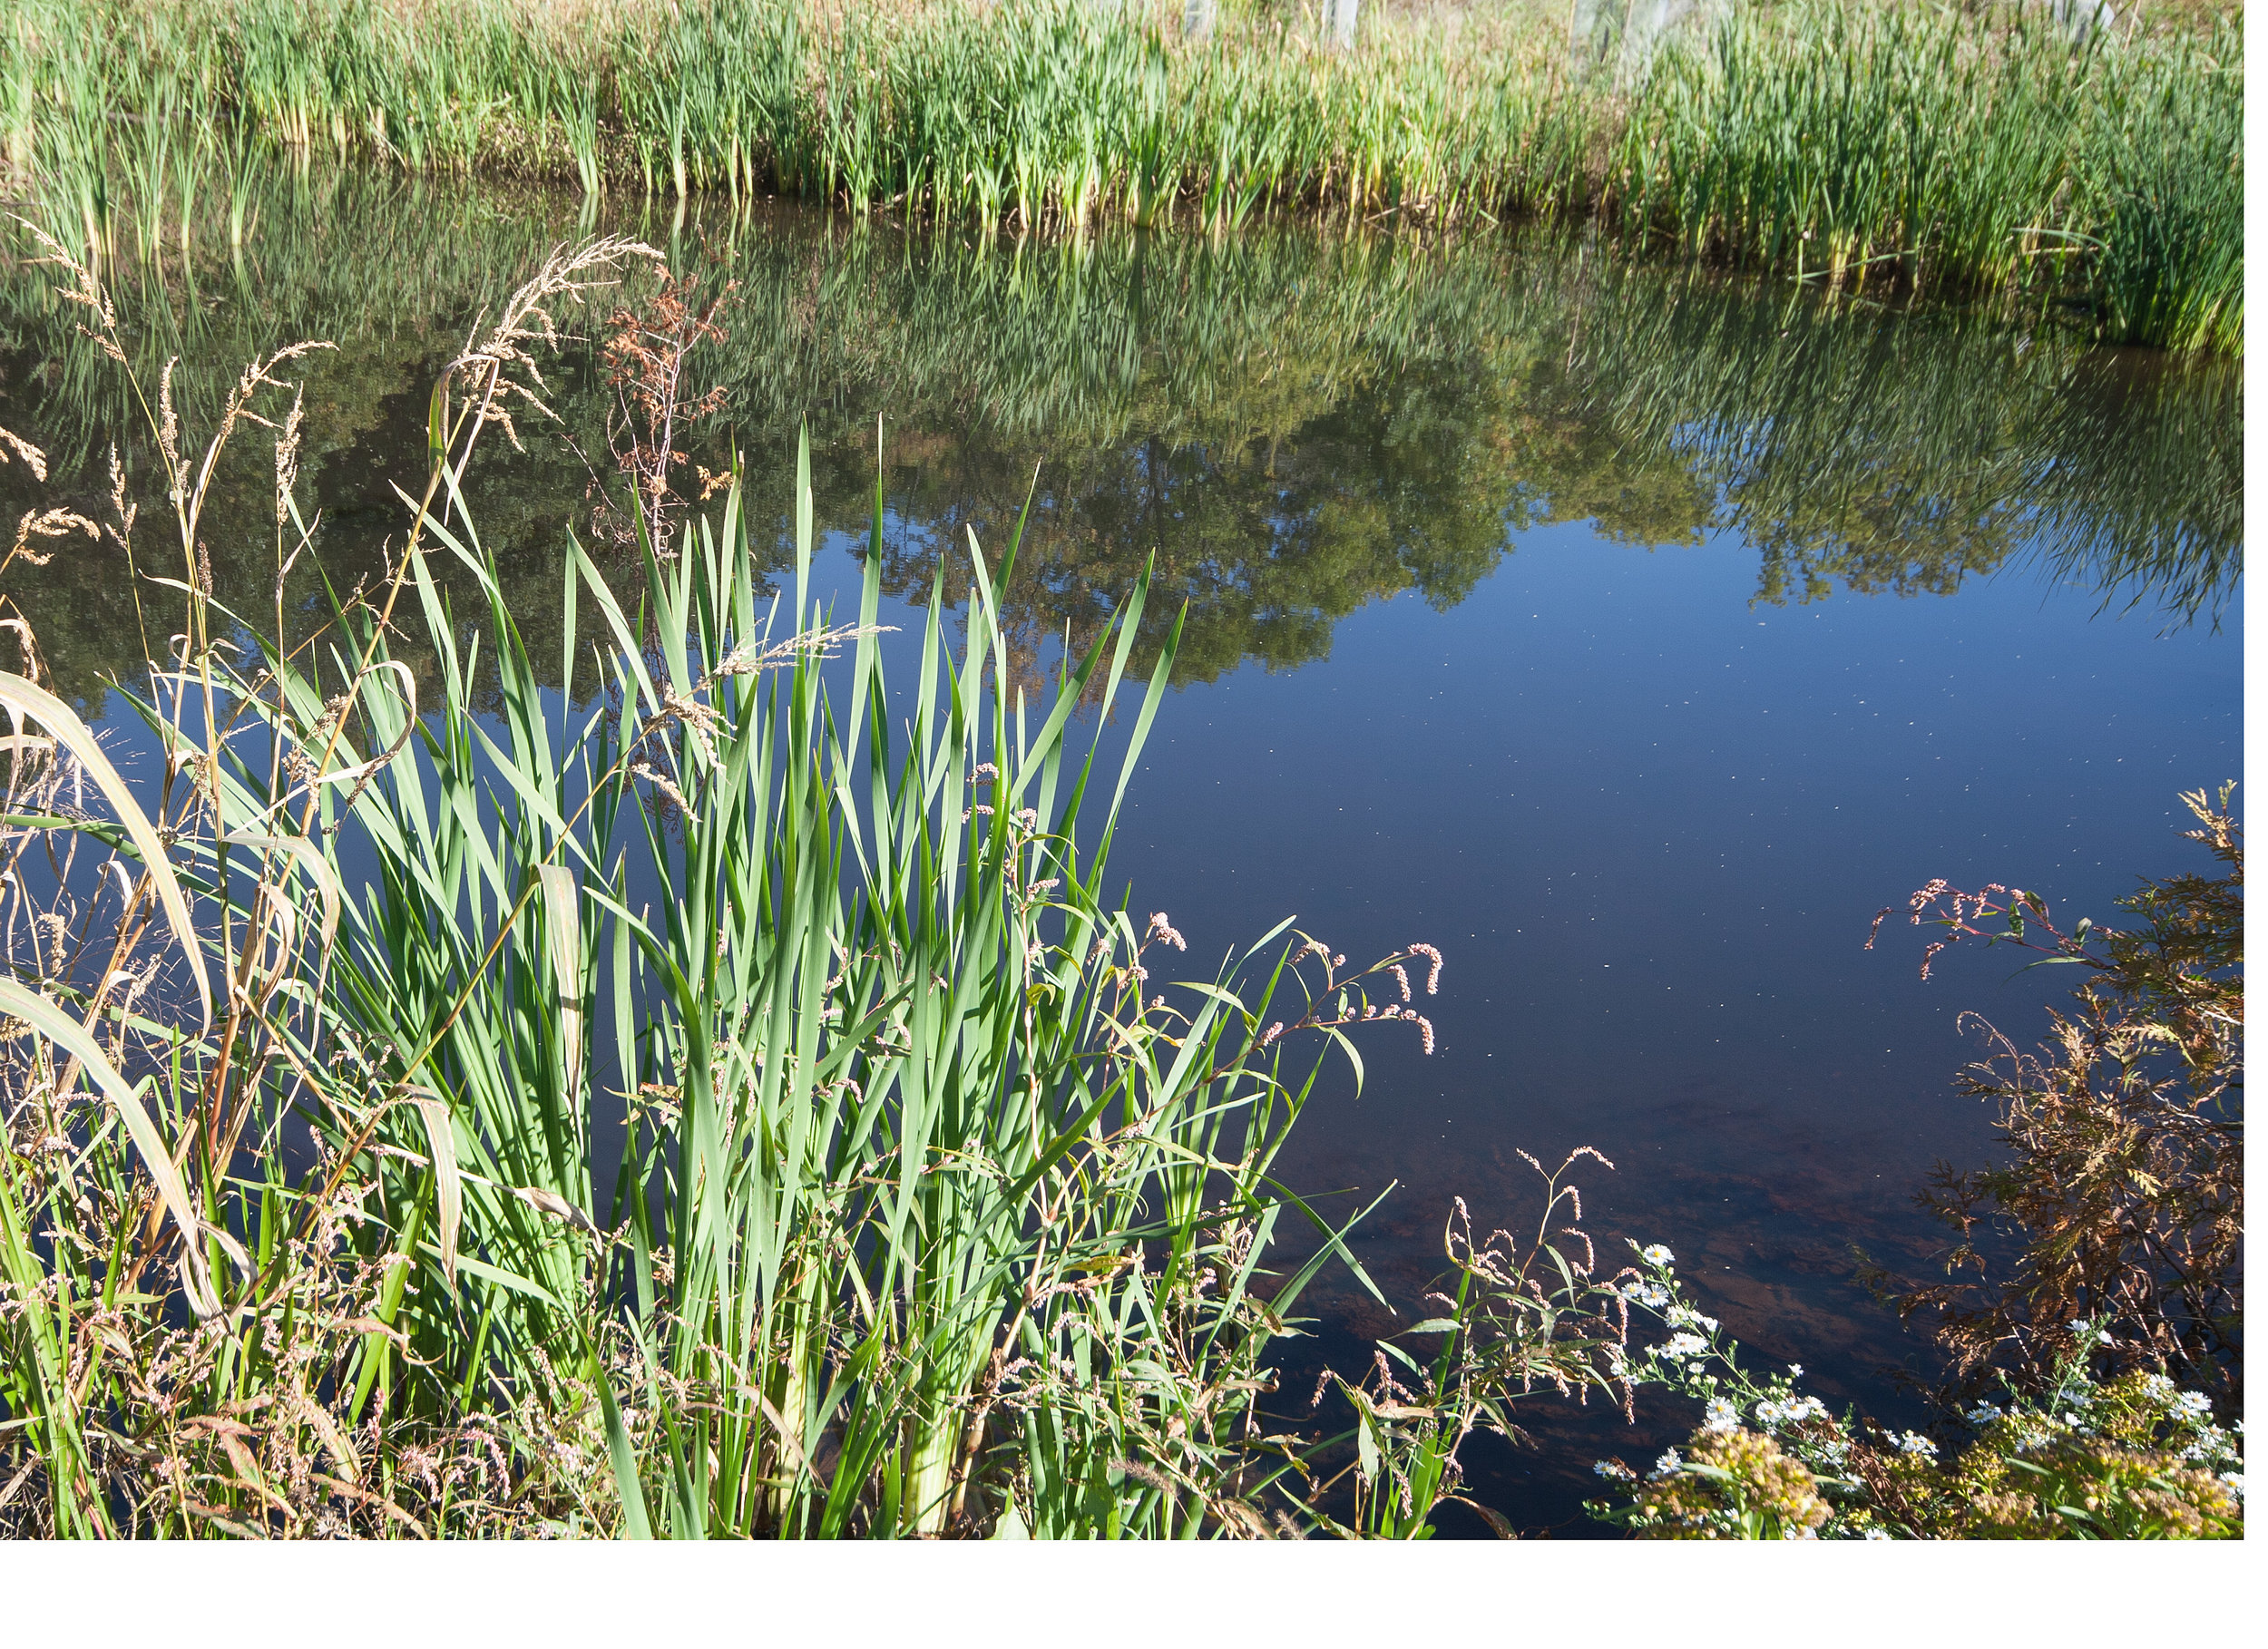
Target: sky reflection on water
<point>1649,823</point>
<point>1634,639</point>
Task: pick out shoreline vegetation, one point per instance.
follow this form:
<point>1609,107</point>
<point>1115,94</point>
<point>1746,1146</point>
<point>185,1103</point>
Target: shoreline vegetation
<point>736,1107</point>
<point>739,1112</point>
<point>1931,152</point>
<point>2091,1301</point>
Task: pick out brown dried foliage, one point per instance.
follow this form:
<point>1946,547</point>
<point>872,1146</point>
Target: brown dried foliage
<point>2124,1182</point>
<point>646,358</point>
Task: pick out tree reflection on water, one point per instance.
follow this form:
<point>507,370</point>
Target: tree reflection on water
<point>1293,423</point>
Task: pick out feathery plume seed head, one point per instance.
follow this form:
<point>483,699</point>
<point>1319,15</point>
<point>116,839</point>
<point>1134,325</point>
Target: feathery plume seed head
<point>32,458</point>
<point>48,524</point>
<point>288,450</point>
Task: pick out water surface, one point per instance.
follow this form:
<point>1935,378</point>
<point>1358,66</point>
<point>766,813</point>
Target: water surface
<point>1631,636</point>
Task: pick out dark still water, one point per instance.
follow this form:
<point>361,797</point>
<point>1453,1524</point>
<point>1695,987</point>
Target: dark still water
<point>1631,637</point>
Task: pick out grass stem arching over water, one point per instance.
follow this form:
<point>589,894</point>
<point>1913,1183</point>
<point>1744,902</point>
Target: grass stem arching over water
<point>1892,148</point>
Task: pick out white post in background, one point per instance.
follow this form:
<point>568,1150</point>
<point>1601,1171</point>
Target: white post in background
<point>1621,38</point>
<point>1594,35</point>
<point>1343,18</point>
<point>2080,18</point>
<point>1196,21</point>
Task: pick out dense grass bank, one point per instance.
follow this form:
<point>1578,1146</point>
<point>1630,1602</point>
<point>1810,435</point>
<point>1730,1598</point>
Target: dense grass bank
<point>1926,150</point>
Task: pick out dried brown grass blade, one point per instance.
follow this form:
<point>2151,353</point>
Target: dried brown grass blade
<point>448,1180</point>
<point>563,923</point>
<point>48,1019</point>
<point>28,700</point>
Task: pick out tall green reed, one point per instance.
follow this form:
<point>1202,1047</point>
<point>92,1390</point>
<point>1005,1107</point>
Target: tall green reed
<point>1857,144</point>
<point>735,1107</point>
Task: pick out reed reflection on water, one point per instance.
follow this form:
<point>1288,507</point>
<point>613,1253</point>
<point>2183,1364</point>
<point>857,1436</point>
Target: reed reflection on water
<point>1294,424</point>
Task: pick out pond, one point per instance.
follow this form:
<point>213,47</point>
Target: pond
<point>1631,634</point>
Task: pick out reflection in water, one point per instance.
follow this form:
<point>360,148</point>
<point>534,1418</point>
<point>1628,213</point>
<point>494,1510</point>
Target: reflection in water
<point>1293,423</point>
<point>1646,801</point>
